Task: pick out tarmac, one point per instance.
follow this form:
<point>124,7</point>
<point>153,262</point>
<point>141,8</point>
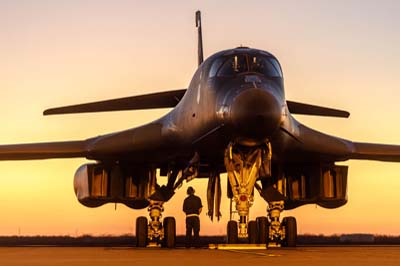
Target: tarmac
<point>307,256</point>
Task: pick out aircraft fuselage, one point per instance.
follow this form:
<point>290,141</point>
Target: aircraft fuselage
<point>246,107</point>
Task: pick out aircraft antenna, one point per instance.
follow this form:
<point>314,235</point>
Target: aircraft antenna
<point>200,38</point>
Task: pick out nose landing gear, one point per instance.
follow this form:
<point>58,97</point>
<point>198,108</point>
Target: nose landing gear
<point>244,166</point>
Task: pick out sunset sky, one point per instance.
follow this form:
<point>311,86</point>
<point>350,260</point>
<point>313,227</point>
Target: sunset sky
<point>341,54</point>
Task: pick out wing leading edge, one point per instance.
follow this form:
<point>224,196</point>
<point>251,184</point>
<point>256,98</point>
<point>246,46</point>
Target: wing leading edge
<point>308,109</point>
<point>170,99</point>
<point>133,141</point>
<point>74,149</point>
<point>66,149</point>
<point>316,145</point>
<point>166,99</point>
<point>378,152</point>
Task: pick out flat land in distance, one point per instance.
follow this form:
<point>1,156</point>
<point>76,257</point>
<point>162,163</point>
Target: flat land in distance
<point>130,240</point>
<point>121,256</point>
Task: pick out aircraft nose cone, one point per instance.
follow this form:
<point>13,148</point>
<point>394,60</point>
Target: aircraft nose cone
<point>256,113</point>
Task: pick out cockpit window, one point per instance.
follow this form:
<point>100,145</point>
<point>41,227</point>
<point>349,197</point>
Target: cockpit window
<point>266,66</point>
<point>215,66</point>
<point>277,66</point>
<point>242,63</point>
<point>234,65</point>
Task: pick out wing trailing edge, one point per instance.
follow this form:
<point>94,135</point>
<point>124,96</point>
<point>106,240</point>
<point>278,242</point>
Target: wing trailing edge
<point>308,109</point>
<point>166,99</point>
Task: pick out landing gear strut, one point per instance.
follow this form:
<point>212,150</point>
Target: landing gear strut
<point>281,233</point>
<point>276,232</point>
<point>244,166</point>
<point>154,233</point>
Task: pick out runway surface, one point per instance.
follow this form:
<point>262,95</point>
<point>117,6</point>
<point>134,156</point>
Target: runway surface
<point>54,256</point>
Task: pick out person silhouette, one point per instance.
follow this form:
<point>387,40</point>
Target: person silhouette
<point>192,207</point>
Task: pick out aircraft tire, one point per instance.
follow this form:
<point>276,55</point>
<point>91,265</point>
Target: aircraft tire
<point>232,232</point>
<point>141,231</point>
<point>169,225</point>
<point>263,229</point>
<point>291,231</point>
<point>252,232</point>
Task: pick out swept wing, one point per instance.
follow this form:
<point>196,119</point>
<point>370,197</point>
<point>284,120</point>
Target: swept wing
<point>309,109</point>
<point>65,149</point>
<point>317,145</point>
<point>378,152</point>
<point>166,99</point>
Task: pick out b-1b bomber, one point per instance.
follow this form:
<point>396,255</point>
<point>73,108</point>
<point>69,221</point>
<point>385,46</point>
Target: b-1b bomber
<point>233,118</point>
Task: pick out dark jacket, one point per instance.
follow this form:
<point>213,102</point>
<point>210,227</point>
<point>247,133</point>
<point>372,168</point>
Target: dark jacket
<point>192,204</point>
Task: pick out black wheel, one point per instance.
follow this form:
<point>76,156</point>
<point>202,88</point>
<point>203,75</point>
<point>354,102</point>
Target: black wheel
<point>169,226</point>
<point>141,231</point>
<point>232,232</point>
<point>291,231</point>
<point>263,229</point>
<point>252,232</point>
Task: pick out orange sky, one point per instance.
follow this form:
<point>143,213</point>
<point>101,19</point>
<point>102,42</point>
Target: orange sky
<point>342,54</point>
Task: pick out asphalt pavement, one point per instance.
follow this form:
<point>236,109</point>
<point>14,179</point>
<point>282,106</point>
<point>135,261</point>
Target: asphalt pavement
<point>307,256</point>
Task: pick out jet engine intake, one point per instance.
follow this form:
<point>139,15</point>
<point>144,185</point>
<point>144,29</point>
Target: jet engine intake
<point>98,184</point>
<point>325,185</point>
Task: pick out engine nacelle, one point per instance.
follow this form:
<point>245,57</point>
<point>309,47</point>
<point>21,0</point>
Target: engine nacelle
<point>98,184</point>
<point>325,185</point>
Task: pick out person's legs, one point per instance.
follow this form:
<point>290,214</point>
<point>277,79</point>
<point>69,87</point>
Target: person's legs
<point>196,230</point>
<point>189,227</point>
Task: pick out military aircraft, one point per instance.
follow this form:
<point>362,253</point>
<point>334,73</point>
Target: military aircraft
<point>233,118</point>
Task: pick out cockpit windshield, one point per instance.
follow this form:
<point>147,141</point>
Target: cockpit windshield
<point>267,66</point>
<point>234,65</point>
<point>246,63</point>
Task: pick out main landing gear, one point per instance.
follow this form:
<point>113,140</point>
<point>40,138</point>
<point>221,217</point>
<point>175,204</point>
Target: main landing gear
<point>155,233</point>
<point>244,166</point>
<point>281,233</point>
